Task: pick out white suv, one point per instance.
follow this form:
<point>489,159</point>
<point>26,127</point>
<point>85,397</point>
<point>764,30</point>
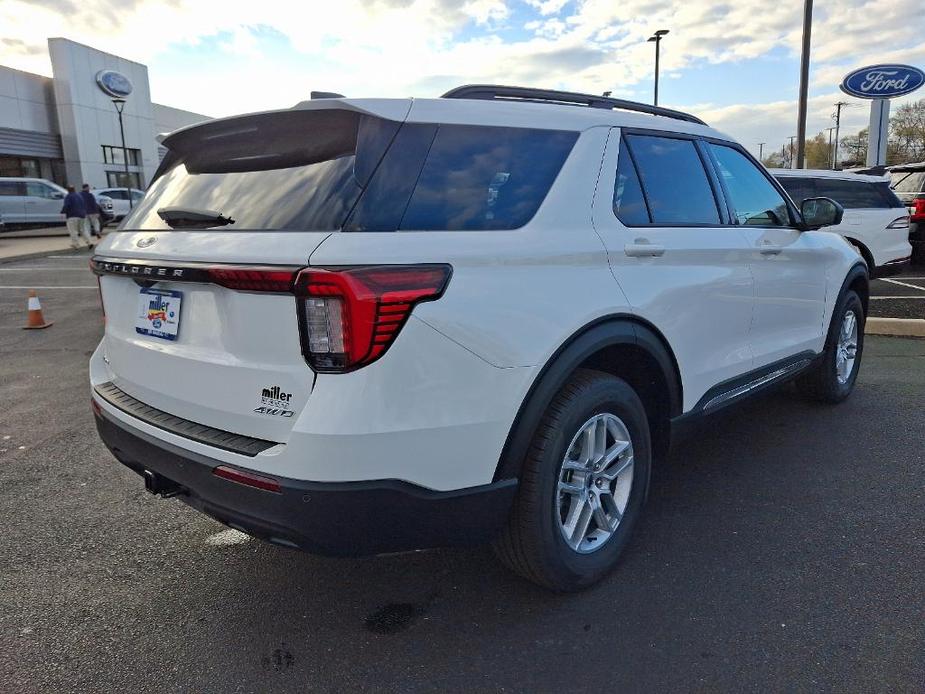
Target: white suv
<point>374,325</point>
<point>876,222</point>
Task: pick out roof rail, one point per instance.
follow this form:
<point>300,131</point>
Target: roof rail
<point>502,93</point>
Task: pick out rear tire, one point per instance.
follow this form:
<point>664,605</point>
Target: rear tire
<point>583,484</point>
<point>832,379</point>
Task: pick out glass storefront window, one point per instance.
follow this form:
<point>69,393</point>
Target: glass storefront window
<point>120,179</point>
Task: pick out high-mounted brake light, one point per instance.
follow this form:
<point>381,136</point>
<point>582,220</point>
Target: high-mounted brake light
<point>918,210</point>
<point>349,317</point>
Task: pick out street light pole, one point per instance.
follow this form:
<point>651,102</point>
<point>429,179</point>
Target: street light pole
<point>120,104</point>
<point>831,151</point>
<point>761,151</point>
<point>792,158</point>
<point>657,38</point>
<point>804,83</point>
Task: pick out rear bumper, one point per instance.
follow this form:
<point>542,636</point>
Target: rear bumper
<point>893,267</point>
<point>337,518</point>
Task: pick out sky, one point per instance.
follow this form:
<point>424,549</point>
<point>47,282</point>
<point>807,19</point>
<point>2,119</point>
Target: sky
<point>734,64</point>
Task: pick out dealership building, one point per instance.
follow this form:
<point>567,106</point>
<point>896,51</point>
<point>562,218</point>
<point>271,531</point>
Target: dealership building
<point>66,127</point>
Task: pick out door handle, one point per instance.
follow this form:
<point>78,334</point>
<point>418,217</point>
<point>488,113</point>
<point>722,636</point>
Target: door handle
<point>641,248</point>
<point>768,248</point>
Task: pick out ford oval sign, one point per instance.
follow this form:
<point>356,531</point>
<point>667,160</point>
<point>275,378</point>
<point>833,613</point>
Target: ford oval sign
<point>883,81</point>
<point>114,83</point>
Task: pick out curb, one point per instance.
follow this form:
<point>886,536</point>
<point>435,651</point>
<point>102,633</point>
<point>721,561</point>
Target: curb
<point>40,254</point>
<point>897,327</point>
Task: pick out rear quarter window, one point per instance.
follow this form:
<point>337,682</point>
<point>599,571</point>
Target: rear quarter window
<point>852,194</point>
<point>477,178</point>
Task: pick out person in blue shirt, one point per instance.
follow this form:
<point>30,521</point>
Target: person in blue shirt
<point>75,212</point>
<point>92,220</point>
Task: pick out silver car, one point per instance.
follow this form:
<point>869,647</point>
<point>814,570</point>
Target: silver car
<point>120,200</point>
<point>38,201</point>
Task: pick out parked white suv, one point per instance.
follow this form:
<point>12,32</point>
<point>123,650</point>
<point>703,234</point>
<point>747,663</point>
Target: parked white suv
<point>373,325</point>
<point>876,222</point>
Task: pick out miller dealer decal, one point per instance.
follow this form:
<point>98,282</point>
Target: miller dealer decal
<point>275,402</point>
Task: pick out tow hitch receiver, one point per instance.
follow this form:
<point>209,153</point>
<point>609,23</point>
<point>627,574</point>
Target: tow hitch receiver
<point>160,485</point>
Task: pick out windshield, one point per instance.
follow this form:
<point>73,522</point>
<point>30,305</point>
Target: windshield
<point>913,182</point>
<point>289,170</point>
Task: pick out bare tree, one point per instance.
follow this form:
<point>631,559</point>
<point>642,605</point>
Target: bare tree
<point>907,133</point>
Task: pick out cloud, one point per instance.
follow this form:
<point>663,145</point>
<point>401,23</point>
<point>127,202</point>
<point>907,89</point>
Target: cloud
<point>423,47</point>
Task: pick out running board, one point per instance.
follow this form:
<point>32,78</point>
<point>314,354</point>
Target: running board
<point>767,379</point>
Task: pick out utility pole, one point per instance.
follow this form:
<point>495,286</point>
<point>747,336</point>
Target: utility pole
<point>838,108</point>
<point>657,38</point>
<point>792,158</point>
<point>761,150</point>
<point>831,151</point>
<point>804,83</point>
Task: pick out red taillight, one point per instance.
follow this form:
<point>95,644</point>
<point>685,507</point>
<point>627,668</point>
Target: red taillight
<point>247,478</point>
<point>918,210</point>
<point>254,280</point>
<point>95,406</point>
<point>350,316</point>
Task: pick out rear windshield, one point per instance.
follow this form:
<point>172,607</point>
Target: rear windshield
<point>333,169</point>
<point>905,182</point>
<point>851,194</point>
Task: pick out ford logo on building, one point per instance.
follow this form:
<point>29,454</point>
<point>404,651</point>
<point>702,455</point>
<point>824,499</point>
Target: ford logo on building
<point>883,81</point>
<point>114,83</point>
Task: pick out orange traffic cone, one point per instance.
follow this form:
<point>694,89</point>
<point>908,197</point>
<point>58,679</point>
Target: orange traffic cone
<point>35,321</point>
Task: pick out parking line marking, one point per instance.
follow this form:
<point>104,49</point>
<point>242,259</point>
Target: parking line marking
<point>32,286</point>
<point>896,297</point>
<point>902,284</point>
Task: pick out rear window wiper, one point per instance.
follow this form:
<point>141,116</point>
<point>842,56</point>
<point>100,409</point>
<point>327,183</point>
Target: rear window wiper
<point>189,218</point>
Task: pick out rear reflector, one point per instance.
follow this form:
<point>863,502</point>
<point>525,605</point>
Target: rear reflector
<point>349,317</point>
<point>247,478</point>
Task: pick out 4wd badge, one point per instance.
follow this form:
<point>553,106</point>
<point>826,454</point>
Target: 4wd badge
<point>275,402</point>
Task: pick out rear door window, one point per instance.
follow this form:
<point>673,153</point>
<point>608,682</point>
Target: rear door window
<point>11,188</point>
<point>674,180</point>
<point>908,182</point>
<point>755,200</point>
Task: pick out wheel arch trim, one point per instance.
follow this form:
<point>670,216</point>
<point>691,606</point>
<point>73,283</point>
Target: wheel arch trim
<point>607,331</point>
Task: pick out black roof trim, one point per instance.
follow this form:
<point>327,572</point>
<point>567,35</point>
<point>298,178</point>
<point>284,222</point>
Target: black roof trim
<point>495,91</point>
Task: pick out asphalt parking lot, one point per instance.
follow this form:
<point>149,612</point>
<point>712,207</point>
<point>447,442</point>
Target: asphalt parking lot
<point>900,296</point>
<point>782,549</point>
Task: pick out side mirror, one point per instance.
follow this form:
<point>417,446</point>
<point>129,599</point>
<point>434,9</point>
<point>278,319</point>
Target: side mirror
<point>57,195</point>
<point>821,212</point>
